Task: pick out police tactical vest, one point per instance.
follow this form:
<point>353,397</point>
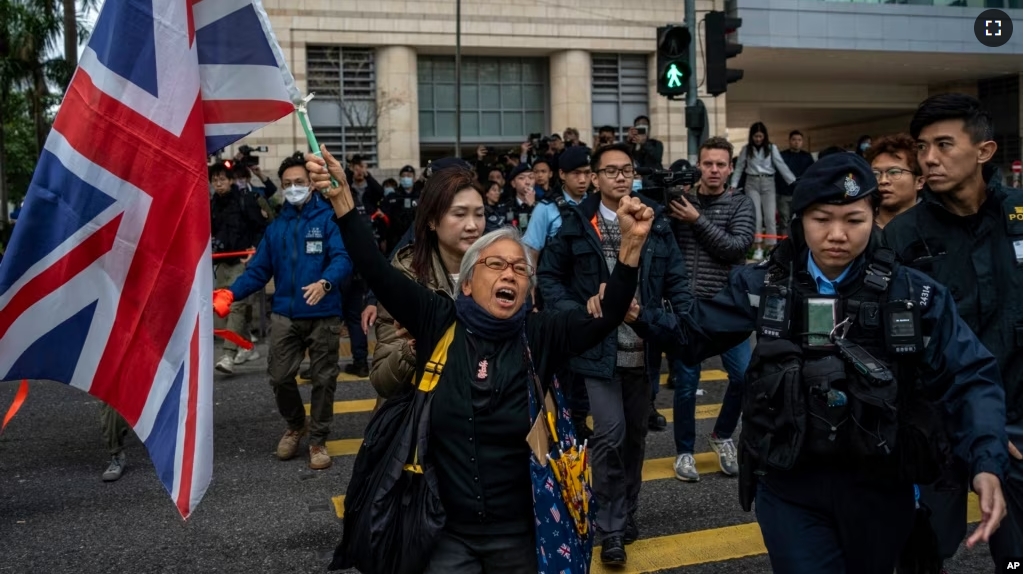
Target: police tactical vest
<point>803,401</point>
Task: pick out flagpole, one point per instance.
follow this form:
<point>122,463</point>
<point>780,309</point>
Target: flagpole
<point>458,78</point>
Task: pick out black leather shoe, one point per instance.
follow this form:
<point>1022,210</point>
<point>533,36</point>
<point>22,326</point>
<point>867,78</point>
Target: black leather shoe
<point>613,551</point>
<point>655,421</point>
<point>632,533</point>
<point>358,369</point>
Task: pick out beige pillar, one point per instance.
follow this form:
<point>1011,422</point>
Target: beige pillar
<point>570,92</point>
<point>398,127</point>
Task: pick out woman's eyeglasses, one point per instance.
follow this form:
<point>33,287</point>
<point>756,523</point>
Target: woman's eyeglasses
<point>496,263</point>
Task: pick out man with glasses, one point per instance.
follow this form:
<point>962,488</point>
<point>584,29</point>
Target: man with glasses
<point>574,268</point>
<point>894,163</point>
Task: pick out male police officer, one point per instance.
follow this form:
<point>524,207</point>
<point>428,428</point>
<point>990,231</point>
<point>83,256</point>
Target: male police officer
<point>966,233</point>
<point>574,172</point>
<point>852,351</point>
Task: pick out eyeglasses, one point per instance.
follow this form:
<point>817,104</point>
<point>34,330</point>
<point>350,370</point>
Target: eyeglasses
<point>894,173</point>
<point>496,263</point>
<point>612,172</point>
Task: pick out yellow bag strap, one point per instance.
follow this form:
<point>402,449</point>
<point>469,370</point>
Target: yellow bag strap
<point>431,375</point>
<point>432,372</point>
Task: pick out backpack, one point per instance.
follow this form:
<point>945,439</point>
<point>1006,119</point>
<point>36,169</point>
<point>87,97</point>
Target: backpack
<point>393,512</point>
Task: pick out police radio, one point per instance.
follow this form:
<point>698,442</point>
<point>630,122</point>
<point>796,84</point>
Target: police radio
<point>902,320</point>
<point>774,313</point>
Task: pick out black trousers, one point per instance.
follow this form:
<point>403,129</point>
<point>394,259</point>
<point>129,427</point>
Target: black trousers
<point>484,554</point>
<point>829,522</point>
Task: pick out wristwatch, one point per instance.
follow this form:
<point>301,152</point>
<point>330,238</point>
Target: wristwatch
<point>326,284</point>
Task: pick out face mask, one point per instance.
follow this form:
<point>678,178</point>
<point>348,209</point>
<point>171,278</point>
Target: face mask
<point>296,195</point>
<point>389,190</point>
<point>406,182</point>
<point>864,146</point>
<point>242,184</point>
<point>638,184</point>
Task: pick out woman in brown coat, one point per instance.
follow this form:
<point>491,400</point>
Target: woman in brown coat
<point>450,218</point>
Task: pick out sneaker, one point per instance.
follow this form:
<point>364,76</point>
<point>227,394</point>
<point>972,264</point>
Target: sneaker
<point>613,551</point>
<point>116,467</point>
<point>318,457</point>
<point>758,254</point>
<point>686,468</point>
<point>243,355</point>
<point>655,420</point>
<point>726,451</point>
<point>358,369</point>
<point>226,364</point>
<point>631,533</point>
<point>253,337</point>
<point>288,446</point>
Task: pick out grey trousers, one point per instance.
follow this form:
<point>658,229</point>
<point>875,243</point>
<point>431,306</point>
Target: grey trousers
<point>620,407</point>
<point>484,554</point>
<point>761,190</point>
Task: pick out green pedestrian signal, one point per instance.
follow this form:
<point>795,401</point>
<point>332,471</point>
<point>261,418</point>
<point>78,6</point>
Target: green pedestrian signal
<point>673,60</point>
<point>672,75</point>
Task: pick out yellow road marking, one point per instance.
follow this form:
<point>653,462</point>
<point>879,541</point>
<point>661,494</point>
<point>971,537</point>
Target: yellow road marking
<point>346,407</point>
<point>709,375</point>
<point>703,412</point>
<point>343,447</point>
<point>690,548</point>
<point>343,377</point>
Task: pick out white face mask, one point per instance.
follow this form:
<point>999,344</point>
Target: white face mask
<point>295,195</point>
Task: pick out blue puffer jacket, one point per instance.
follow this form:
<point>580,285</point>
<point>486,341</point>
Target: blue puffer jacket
<point>300,247</point>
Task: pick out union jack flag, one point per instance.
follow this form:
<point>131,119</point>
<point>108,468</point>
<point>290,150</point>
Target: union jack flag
<point>107,282</point>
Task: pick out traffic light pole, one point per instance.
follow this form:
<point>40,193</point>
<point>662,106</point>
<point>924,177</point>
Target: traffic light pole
<point>693,136</point>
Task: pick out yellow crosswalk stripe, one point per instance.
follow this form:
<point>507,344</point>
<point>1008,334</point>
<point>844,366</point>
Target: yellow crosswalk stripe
<point>343,447</point>
<point>346,407</point>
<point>691,548</point>
<point>703,412</point>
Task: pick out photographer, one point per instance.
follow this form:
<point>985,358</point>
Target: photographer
<point>647,152</point>
<point>713,227</point>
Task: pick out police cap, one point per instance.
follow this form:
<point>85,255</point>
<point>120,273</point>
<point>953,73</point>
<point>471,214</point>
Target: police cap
<point>447,163</point>
<point>519,170</point>
<point>836,179</point>
<point>573,158</point>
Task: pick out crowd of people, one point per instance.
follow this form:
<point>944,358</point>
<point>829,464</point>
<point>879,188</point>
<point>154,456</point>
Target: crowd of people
<point>884,295</point>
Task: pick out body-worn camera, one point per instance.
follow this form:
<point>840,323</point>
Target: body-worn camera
<point>902,321</point>
<point>774,313</point>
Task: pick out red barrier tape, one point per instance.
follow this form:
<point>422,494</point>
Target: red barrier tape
<point>233,254</point>
<point>234,338</point>
<point>19,399</point>
<point>766,236</point>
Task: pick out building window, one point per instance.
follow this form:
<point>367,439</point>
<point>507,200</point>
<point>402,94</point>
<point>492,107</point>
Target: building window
<point>1001,97</point>
<point>344,112</point>
<point>619,91</point>
<point>503,99</point>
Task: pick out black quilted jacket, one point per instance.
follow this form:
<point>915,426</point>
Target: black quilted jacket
<point>717,241</point>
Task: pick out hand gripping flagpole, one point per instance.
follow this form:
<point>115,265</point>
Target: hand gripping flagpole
<point>300,110</point>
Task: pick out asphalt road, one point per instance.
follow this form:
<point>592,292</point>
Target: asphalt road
<point>261,515</point>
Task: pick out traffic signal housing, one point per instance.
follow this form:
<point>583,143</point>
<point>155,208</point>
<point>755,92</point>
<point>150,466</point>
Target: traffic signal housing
<point>718,50</point>
<point>674,68</point>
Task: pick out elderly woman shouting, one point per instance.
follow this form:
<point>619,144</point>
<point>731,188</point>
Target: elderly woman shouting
<point>480,417</point>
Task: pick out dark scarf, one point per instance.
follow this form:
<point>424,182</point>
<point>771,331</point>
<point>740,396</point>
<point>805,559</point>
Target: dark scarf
<point>485,325</point>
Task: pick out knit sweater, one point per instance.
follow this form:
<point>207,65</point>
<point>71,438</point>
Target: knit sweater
<point>630,347</point>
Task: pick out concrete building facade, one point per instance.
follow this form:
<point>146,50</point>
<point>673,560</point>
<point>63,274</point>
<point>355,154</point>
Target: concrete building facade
<point>384,71</point>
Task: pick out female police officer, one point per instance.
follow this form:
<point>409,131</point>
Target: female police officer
<point>856,357</point>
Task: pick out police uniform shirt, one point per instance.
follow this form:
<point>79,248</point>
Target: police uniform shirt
<point>544,223</point>
<point>825,285</point>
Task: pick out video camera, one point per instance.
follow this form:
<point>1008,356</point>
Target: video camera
<point>540,144</point>
<point>248,159</point>
<point>668,184</point>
